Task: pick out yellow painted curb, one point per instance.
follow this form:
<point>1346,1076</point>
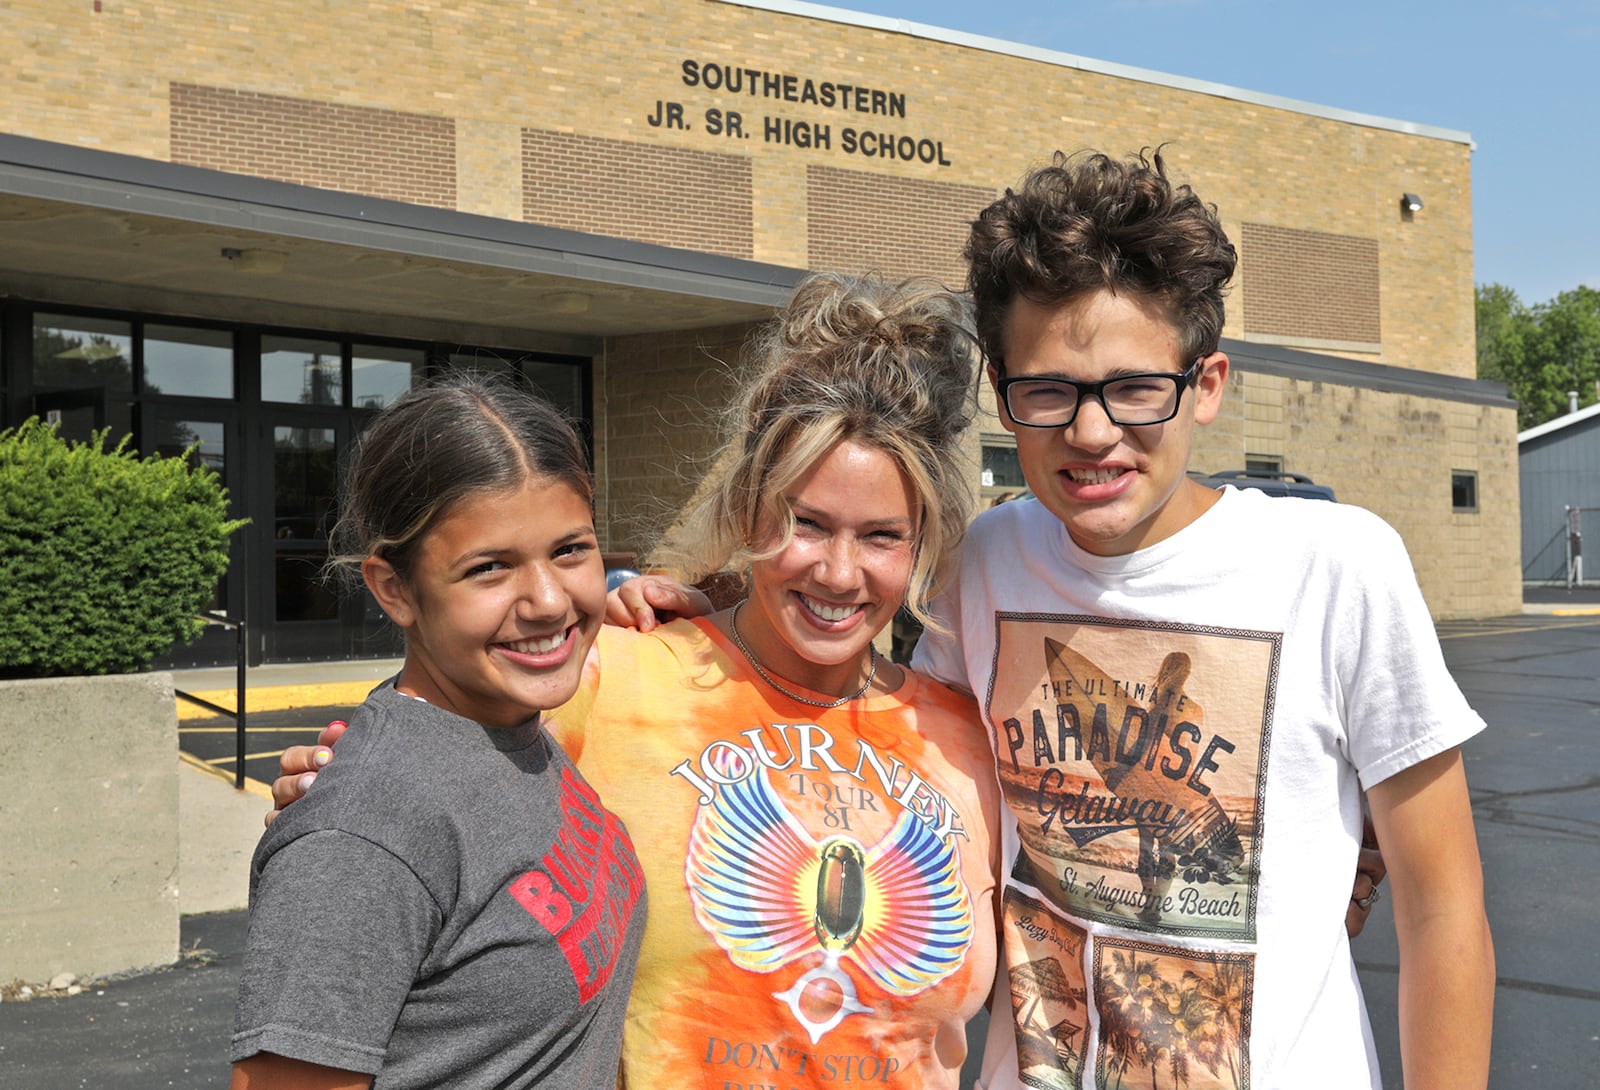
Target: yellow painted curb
<point>254,787</point>
<point>272,698</point>
<point>1575,612</point>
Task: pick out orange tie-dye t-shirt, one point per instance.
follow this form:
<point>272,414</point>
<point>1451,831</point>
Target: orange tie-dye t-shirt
<point>821,880</point>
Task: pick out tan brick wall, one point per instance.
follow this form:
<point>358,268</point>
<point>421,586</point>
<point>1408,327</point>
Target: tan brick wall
<point>671,196</point>
<point>357,149</point>
<point>898,226</point>
<point>600,74</point>
<point>658,396</point>
<point>101,80</point>
<point>1309,284</point>
<point>489,167</point>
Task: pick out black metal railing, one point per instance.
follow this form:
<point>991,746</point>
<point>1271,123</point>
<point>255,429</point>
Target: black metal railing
<point>237,713</point>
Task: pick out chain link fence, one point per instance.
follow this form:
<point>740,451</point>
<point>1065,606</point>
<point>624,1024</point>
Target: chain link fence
<point>1560,557</point>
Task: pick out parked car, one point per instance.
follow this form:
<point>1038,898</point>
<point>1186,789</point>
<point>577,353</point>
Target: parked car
<point>1270,481</point>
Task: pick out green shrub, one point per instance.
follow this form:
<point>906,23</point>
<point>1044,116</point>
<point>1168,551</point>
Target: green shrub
<point>104,557</point>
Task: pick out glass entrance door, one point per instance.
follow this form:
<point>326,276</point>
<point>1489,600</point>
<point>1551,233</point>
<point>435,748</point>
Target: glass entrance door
<point>296,611</point>
<point>210,435</point>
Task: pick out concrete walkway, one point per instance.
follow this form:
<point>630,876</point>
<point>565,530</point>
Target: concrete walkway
<point>218,824</point>
<point>1560,601</point>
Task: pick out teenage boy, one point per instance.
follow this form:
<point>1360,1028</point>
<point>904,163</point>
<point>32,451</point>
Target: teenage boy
<point>1187,692</point>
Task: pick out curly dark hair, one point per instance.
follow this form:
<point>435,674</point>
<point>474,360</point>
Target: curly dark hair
<point>1088,222</point>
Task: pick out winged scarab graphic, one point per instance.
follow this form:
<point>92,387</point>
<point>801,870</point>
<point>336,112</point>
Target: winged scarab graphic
<point>770,893</point>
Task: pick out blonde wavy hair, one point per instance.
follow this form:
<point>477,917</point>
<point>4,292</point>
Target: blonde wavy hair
<point>887,365</point>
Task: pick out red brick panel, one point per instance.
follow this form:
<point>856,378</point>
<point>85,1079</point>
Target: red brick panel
<point>698,200</point>
<point>356,149</point>
<point>856,222</point>
<point>1309,284</point>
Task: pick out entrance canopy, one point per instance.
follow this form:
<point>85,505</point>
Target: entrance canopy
<point>118,231</point>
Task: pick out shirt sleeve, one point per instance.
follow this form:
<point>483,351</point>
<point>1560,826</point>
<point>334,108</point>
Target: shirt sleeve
<point>940,655</point>
<point>1401,706</point>
<point>338,930</point>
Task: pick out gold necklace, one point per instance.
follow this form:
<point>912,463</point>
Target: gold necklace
<point>872,669</point>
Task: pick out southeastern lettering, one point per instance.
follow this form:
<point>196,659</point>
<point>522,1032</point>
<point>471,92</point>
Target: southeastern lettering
<point>759,83</point>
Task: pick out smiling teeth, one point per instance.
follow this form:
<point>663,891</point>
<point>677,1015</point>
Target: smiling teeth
<point>1094,476</point>
<point>541,646</point>
<point>826,612</point>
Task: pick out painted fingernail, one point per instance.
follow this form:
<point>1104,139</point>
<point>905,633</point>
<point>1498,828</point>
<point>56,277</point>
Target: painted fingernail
<point>321,757</point>
<point>307,780</point>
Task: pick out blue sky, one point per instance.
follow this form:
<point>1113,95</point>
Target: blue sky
<point>1522,77</point>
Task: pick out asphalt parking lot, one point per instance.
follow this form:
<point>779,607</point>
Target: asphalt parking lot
<point>268,733</point>
<point>1535,781</point>
<point>1534,775</point>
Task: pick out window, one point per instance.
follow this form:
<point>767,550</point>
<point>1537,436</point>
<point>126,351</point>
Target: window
<point>561,382</point>
<point>301,371</point>
<point>1263,463</point>
<point>190,362</point>
<point>83,374</point>
<point>82,353</point>
<point>379,375</point>
<point>1463,490</point>
<point>1001,476</point>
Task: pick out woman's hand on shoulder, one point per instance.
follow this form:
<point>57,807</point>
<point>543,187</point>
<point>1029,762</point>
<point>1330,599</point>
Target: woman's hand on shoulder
<point>646,601</point>
<point>297,767</point>
<point>1370,869</point>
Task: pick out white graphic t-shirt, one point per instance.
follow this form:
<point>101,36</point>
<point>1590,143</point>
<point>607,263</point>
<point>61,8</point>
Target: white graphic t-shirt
<point>1182,735</point>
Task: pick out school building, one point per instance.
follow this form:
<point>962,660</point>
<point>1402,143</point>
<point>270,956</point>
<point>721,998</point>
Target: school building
<point>250,224</point>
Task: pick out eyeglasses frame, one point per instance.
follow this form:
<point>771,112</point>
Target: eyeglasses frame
<point>1185,379</point>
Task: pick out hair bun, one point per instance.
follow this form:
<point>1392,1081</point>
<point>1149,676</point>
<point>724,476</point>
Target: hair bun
<point>828,311</point>
<point>884,364</point>
<point>910,339</point>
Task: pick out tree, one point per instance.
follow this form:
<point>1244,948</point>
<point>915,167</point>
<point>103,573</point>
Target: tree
<point>1543,352</point>
<point>1498,310</point>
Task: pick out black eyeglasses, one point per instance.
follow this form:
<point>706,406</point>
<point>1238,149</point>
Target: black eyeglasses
<point>1129,400</point>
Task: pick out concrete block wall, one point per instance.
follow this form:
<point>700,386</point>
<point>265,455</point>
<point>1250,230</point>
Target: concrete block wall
<point>89,825</point>
<point>1393,454</point>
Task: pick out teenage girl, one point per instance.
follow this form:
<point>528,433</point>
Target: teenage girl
<point>452,904</point>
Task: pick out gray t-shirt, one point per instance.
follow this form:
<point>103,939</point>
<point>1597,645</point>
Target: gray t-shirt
<point>450,904</point>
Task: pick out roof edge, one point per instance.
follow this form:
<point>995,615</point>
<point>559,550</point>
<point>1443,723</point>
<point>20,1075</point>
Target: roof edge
<point>1268,359</point>
<point>68,173</point>
<point>1559,423</point>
